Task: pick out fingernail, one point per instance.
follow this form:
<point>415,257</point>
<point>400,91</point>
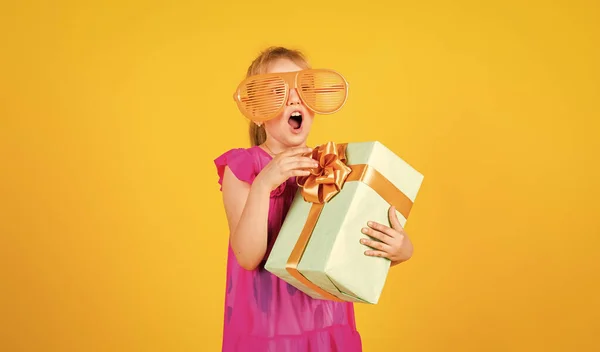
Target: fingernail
<point>365,230</point>
<point>363,241</point>
<point>370,223</point>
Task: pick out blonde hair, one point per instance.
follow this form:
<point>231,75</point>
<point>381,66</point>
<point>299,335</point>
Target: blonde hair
<point>260,65</point>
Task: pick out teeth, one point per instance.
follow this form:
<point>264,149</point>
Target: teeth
<point>296,114</point>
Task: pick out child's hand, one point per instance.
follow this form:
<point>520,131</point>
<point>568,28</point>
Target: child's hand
<point>285,165</point>
<point>392,243</point>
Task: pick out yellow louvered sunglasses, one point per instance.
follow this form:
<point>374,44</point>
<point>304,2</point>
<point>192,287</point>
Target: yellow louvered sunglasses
<point>262,97</point>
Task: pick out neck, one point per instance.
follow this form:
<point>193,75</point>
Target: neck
<point>274,147</point>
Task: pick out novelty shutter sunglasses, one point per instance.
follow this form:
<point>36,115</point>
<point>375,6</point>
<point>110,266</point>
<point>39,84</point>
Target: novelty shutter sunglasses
<point>262,97</point>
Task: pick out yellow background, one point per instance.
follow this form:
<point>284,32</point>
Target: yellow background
<point>113,236</point>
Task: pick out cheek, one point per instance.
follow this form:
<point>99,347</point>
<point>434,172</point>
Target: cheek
<point>309,119</point>
<point>273,127</point>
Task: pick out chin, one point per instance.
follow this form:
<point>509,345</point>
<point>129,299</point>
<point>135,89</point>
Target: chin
<point>297,140</point>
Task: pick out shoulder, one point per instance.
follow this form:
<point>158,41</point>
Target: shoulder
<point>244,163</point>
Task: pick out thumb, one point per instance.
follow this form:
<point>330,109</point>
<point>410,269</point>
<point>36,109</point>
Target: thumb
<point>394,219</point>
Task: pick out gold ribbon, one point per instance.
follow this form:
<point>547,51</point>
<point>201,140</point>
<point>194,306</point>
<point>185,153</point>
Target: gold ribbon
<point>327,179</point>
<point>324,182</point>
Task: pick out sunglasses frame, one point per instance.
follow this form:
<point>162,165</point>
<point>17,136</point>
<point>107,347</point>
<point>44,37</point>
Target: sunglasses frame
<point>290,80</point>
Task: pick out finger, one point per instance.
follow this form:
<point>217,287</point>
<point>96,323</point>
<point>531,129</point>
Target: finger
<point>376,245</point>
<point>376,234</point>
<point>381,228</point>
<point>297,166</point>
<point>296,151</point>
<point>299,172</point>
<point>300,160</point>
<point>374,253</point>
<point>394,219</point>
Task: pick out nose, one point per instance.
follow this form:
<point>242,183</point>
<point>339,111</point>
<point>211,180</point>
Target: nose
<point>294,98</point>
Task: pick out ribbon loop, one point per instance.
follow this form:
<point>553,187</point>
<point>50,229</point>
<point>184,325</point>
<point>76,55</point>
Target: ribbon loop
<point>327,179</point>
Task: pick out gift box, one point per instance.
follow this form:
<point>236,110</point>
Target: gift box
<point>317,249</point>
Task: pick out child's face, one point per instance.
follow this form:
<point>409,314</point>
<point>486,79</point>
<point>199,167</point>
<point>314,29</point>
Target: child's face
<point>291,127</point>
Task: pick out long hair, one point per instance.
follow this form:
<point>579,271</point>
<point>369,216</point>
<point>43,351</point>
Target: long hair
<point>258,135</point>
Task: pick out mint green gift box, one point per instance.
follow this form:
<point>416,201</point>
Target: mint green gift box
<point>333,259</point>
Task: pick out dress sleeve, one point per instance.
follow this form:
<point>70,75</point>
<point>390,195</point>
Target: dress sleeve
<point>240,162</point>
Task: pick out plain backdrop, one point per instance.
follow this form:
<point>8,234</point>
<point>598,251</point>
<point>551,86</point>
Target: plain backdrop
<point>112,231</point>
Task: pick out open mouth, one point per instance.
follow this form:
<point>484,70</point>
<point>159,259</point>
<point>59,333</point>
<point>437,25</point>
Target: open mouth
<point>295,120</point>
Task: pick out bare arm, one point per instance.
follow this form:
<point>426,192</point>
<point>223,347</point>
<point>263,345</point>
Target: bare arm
<point>247,209</point>
<point>247,206</point>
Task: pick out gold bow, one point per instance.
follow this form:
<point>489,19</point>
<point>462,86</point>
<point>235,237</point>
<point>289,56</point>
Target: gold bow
<point>327,179</point>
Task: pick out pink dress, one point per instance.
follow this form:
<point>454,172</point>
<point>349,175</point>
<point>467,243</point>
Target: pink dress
<point>264,313</point>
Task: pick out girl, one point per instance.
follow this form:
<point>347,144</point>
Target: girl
<point>262,312</point>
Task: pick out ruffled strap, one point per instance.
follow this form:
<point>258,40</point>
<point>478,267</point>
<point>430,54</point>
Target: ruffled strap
<point>245,165</point>
<point>240,162</point>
